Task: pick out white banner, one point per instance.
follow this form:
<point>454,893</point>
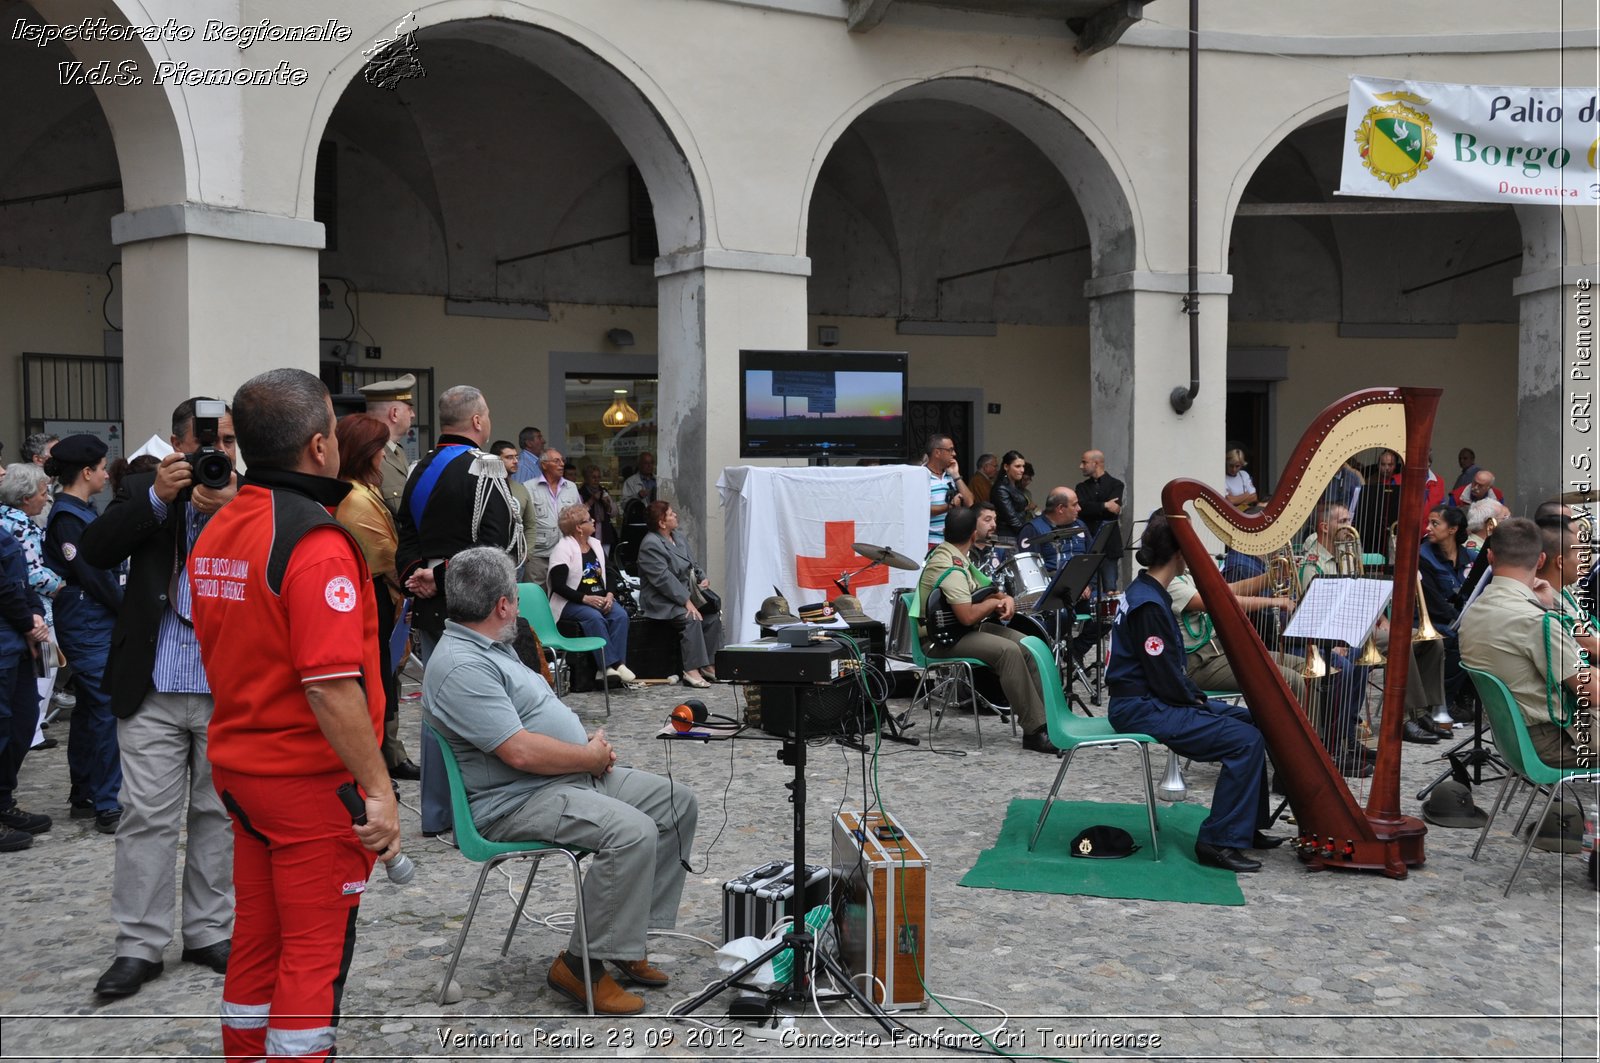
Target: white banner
<point>1470,143</point>
<point>791,528</point>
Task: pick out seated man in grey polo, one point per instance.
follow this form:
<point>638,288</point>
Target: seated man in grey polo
<point>532,774</point>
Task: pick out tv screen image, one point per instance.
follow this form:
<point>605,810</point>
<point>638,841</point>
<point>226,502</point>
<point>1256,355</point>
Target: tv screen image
<point>802,403</point>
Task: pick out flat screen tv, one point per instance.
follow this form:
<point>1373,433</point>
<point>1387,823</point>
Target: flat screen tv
<point>822,403</point>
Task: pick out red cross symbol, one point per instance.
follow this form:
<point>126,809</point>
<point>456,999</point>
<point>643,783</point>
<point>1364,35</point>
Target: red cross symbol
<point>342,594</point>
<point>818,573</point>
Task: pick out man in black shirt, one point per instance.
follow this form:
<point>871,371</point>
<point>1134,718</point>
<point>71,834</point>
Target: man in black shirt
<point>1100,499</point>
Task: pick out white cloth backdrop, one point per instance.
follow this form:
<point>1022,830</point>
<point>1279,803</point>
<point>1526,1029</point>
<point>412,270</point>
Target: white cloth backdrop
<point>776,518</point>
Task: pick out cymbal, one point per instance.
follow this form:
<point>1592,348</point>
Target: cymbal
<point>885,556</point>
<point>1578,498</point>
<point>1064,532</point>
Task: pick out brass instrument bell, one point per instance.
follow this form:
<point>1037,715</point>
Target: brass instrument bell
<point>1315,666</point>
<point>1347,562</point>
<point>1425,631</point>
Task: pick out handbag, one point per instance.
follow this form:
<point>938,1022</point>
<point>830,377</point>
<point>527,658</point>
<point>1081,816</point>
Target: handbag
<point>706,600</point>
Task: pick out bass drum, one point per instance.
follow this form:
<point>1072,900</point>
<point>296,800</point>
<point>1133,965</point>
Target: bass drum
<point>900,630</point>
<point>1025,624</point>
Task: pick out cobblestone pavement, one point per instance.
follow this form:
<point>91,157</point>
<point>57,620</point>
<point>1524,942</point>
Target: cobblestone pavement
<point>1314,966</point>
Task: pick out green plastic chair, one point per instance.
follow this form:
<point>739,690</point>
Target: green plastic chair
<point>476,847</point>
<point>1070,733</point>
<point>1515,746</point>
<point>955,667</point>
<point>533,605</point>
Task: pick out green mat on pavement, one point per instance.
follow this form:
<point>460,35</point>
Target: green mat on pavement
<point>1049,869</point>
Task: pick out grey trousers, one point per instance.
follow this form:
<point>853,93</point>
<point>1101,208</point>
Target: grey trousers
<point>163,761</point>
<point>1424,679</point>
<point>699,641</point>
<point>639,826</point>
<point>1000,648</point>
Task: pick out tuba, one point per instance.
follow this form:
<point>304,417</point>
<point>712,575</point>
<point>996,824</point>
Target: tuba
<point>1336,832</point>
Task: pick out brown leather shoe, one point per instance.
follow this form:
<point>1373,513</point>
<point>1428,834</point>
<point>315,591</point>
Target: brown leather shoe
<point>609,997</point>
<point>641,972</point>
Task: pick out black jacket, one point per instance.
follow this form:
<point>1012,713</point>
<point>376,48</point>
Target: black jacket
<point>129,530</point>
<point>446,526</point>
<point>1093,496</point>
<point>1010,507</point>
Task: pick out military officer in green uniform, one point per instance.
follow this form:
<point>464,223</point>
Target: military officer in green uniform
<point>393,402</point>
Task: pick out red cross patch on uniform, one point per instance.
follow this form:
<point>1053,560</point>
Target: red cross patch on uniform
<point>1153,645</point>
<point>340,593</point>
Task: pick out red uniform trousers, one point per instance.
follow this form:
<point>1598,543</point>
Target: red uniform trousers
<point>298,875</point>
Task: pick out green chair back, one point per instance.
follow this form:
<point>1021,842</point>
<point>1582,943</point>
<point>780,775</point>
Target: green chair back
<point>1511,738</point>
<point>533,604</point>
<point>1067,729</point>
<point>473,846</point>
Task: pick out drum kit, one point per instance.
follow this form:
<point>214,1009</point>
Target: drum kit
<point>1019,571</point>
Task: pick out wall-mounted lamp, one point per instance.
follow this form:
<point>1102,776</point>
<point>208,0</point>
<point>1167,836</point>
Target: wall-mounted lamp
<point>620,337</point>
<point>619,414</point>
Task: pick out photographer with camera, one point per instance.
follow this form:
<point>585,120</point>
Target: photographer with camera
<point>162,703</point>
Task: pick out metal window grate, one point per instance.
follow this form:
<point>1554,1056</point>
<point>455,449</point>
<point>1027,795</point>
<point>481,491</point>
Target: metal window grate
<point>70,387</point>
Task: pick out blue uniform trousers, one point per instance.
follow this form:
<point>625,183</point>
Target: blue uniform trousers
<point>1216,732</point>
<point>94,761</point>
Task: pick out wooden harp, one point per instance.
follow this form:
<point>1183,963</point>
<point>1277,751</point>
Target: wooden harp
<point>1334,831</point>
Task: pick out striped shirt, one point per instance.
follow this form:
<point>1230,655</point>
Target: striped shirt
<point>940,487</point>
<point>178,668</point>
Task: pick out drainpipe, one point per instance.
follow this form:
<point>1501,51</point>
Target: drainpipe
<point>1182,398</point>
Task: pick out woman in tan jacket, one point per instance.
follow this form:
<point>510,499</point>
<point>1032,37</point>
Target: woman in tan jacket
<point>362,439</point>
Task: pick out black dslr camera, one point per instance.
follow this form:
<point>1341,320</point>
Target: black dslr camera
<point>212,467</point>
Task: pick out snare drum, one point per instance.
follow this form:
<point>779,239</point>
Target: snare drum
<point>1105,609</point>
<point>900,632</point>
<point>1029,579</point>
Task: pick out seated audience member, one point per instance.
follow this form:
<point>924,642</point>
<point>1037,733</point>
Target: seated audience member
<point>532,774</point>
<point>987,639</point>
<point>1509,633</point>
<point>668,578</point>
<point>1151,693</point>
<point>1237,484</point>
<point>1482,517</point>
<point>580,590</point>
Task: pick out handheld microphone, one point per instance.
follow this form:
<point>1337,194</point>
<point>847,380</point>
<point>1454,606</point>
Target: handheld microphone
<point>400,870</point>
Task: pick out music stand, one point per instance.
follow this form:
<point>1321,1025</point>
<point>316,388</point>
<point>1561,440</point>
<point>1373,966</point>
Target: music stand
<point>1100,546</point>
<point>1062,595</point>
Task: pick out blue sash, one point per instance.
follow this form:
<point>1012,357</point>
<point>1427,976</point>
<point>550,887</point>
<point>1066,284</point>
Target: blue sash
<point>430,476</point>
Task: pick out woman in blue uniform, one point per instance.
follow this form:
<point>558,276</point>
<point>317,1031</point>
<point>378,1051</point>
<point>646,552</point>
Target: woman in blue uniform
<point>1151,693</point>
<point>85,612</point>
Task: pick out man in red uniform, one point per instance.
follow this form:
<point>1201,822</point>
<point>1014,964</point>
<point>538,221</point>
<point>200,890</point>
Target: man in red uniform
<point>288,626</point>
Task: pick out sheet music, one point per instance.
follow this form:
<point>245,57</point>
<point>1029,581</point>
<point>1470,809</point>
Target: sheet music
<point>1341,609</point>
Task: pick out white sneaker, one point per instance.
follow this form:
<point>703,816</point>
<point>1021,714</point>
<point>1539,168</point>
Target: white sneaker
<point>625,672</point>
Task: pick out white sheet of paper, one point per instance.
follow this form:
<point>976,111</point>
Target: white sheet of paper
<point>1344,610</point>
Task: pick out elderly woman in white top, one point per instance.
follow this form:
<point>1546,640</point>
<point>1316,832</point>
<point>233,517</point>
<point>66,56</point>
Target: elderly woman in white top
<point>579,590</point>
<point>24,494</point>
<point>667,576</point>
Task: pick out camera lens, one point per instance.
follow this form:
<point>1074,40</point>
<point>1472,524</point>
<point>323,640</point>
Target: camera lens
<point>213,469</point>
